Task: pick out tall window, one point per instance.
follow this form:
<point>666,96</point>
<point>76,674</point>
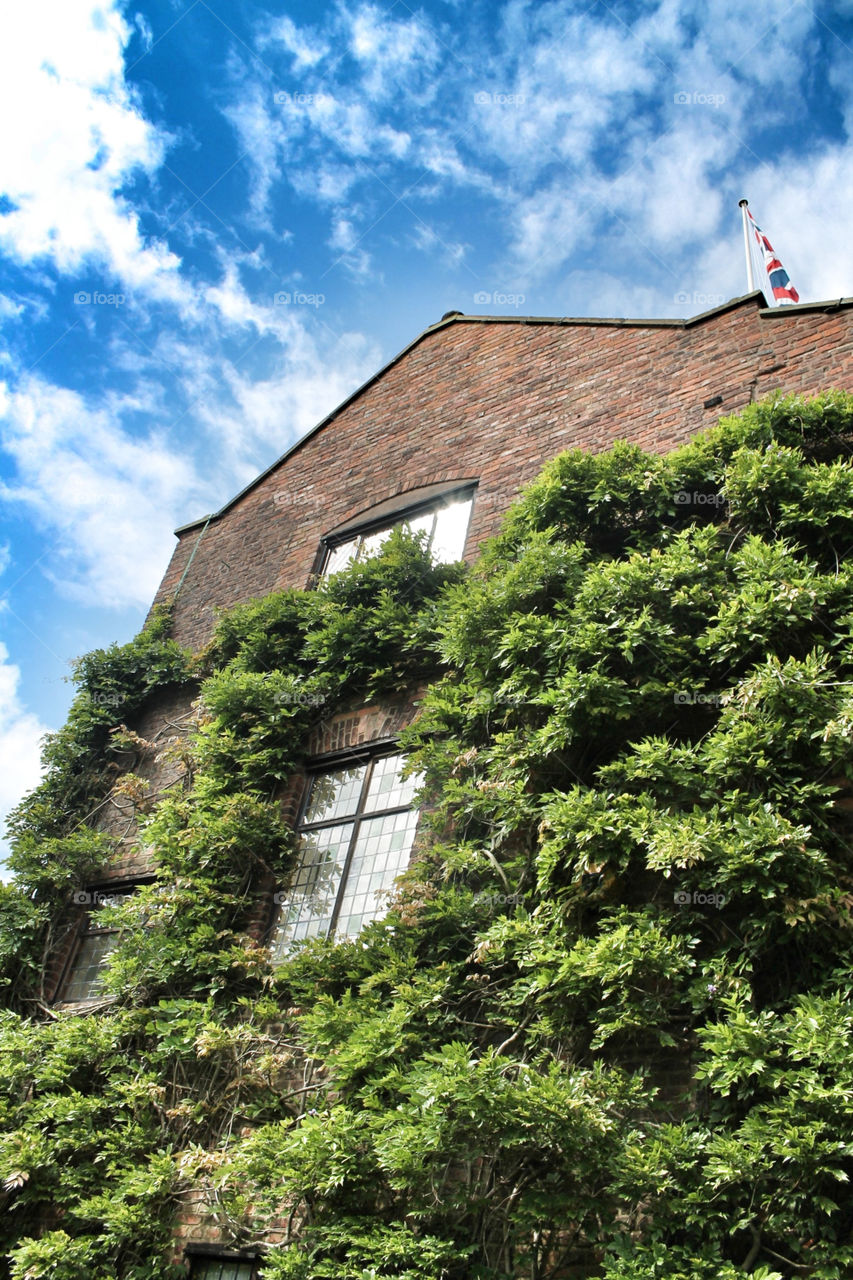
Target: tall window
<point>444,521</point>
<point>355,837</point>
<point>95,943</point>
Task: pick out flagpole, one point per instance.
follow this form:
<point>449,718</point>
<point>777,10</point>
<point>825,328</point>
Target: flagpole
<point>750,280</point>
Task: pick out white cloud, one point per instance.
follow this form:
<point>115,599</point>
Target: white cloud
<point>344,236</point>
<point>21,733</point>
<point>235,307</point>
<point>307,51</point>
<point>346,241</point>
<point>804,208</point>
<point>394,54</point>
<point>258,122</point>
<point>769,44</point>
<point>315,144</point>
<point>325,182</point>
<point>352,124</point>
<point>547,228</point>
<point>269,414</point>
<point>108,502</point>
<point>74,136</point>
<point>441,157</point>
<point>560,92</point>
<point>669,195</point>
<point>616,297</point>
<point>10,310</point>
<point>428,240</point>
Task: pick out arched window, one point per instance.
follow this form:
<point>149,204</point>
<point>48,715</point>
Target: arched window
<point>442,515</point>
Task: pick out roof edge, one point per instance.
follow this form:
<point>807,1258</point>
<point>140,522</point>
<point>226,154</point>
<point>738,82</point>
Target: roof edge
<point>458,317</point>
<point>619,322</point>
<point>832,304</point>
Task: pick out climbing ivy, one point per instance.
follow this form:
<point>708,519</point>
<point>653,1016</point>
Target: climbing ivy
<point>56,846</point>
<point>606,1023</point>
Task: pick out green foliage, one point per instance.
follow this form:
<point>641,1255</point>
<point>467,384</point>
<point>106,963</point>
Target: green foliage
<point>56,847</point>
<point>364,1249</point>
<point>113,684</point>
<point>606,1023</point>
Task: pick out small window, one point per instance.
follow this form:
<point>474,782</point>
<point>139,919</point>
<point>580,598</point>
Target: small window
<point>444,521</point>
<point>355,837</point>
<point>95,943</point>
<point>224,1268</point>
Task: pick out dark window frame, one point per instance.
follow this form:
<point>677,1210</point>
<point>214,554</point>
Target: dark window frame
<point>369,754</point>
<point>201,1257</point>
<point>98,895</point>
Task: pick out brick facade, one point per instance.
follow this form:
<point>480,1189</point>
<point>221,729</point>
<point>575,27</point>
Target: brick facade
<point>156,759</point>
<point>492,399</point>
<point>471,399</point>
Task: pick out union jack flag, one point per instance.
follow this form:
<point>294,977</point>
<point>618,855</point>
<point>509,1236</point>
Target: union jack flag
<point>783,290</point>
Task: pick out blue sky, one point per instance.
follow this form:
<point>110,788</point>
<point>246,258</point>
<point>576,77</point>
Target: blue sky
<point>218,218</point>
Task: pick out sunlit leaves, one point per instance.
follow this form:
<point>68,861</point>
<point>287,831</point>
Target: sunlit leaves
<point>606,1020</point>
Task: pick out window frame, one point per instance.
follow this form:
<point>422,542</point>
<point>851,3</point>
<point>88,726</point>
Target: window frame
<point>98,896</point>
<point>392,520</point>
<point>368,755</point>
<point>199,1256</point>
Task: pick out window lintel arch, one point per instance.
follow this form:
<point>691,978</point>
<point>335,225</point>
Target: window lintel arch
<point>401,504</point>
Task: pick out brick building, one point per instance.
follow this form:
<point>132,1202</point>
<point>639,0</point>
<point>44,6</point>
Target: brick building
<point>442,437</point>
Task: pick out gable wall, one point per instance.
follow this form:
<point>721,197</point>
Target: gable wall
<point>495,400</point>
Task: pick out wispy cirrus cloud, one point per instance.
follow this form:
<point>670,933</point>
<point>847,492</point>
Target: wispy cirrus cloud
<point>573,132</point>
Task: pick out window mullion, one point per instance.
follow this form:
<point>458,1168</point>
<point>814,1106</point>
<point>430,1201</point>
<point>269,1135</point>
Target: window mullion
<point>431,538</point>
<point>356,826</point>
<point>305,829</point>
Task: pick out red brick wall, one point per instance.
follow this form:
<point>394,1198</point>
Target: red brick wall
<point>495,399</point>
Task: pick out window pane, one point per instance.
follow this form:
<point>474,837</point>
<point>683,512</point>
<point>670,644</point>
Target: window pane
<point>422,524</point>
<point>311,900</point>
<point>334,795</point>
<point>85,980</point>
<point>386,789</point>
<point>326,886</point>
<point>445,524</point>
<point>381,853</point>
<point>341,556</point>
<point>372,542</point>
<point>219,1269</point>
<point>451,529</point>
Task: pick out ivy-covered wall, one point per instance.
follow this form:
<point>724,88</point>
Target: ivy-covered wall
<point>604,1028</point>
